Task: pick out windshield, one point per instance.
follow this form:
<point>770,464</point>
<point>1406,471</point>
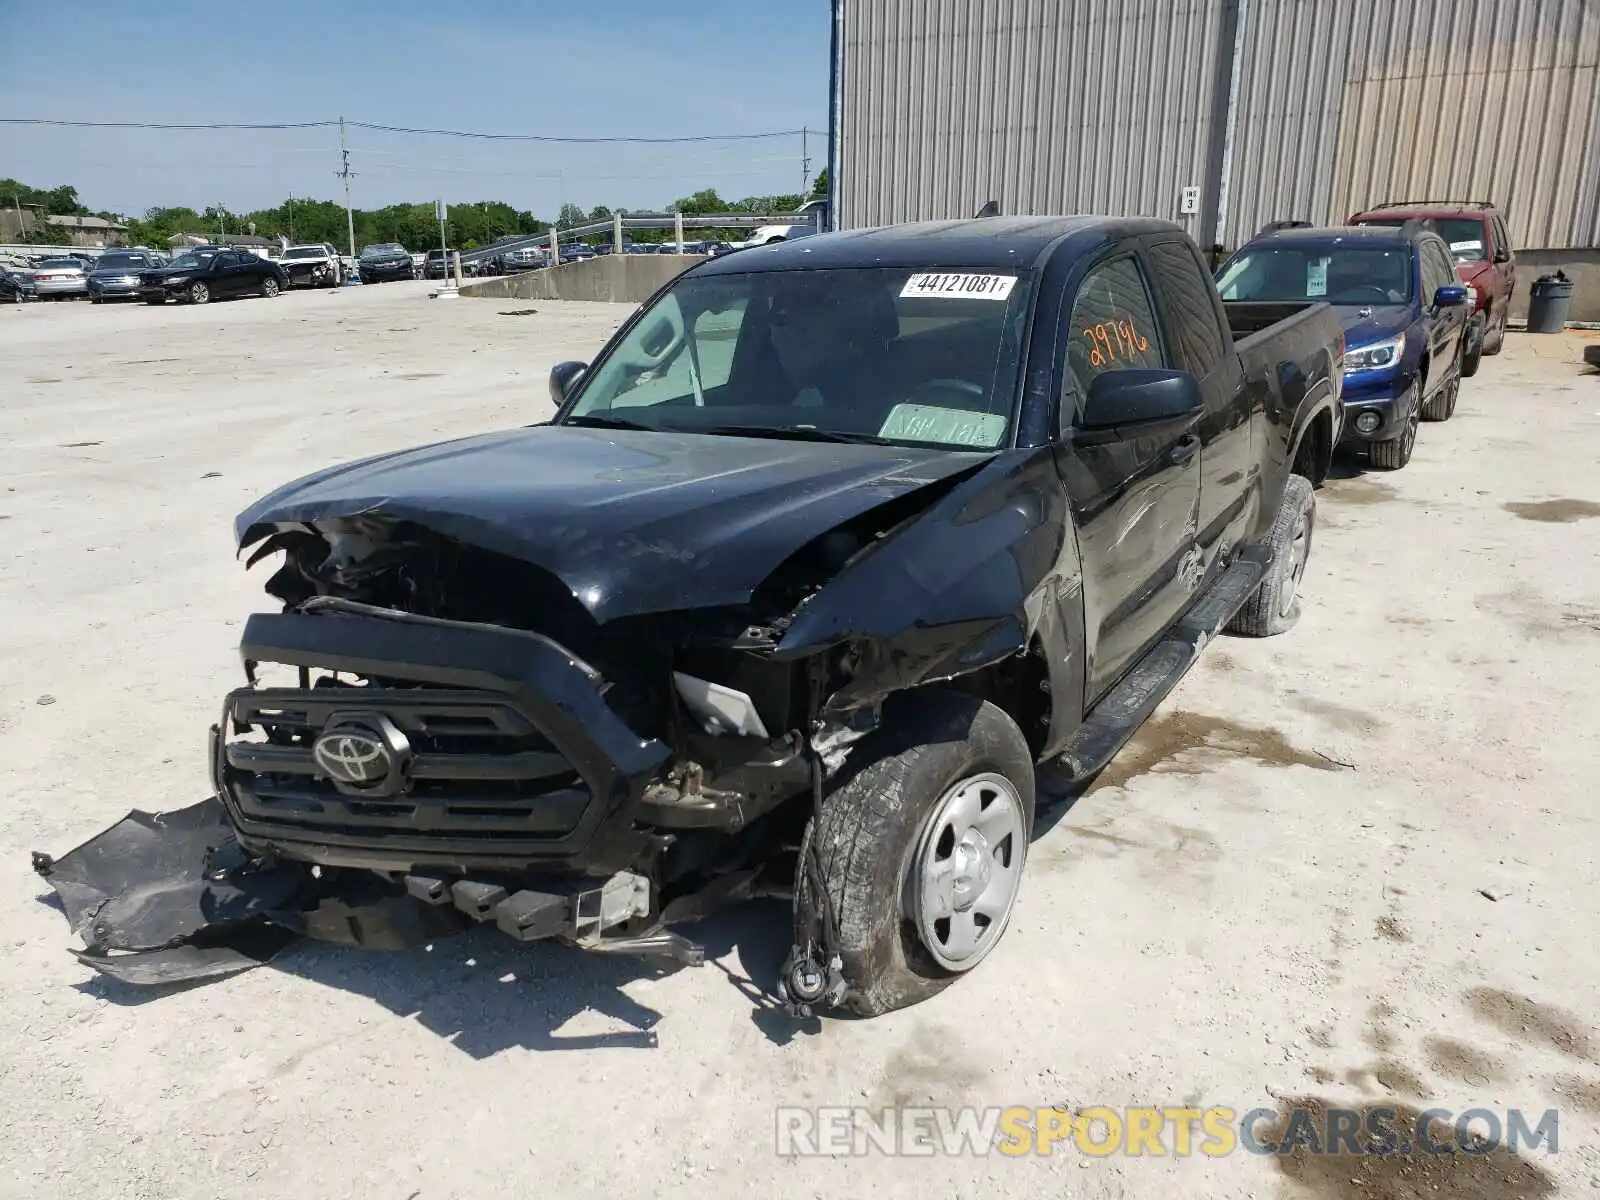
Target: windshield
<point>305,252</point>
<point>873,354</point>
<point>386,248</point>
<point>1464,235</point>
<point>121,262</point>
<point>194,260</point>
<point>1337,274</point>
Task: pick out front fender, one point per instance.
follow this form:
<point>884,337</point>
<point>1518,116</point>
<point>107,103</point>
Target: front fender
<point>963,586</point>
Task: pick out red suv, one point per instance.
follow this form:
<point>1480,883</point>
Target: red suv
<point>1484,260</point>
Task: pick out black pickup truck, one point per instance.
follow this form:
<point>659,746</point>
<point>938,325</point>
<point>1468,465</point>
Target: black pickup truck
<point>837,554</point>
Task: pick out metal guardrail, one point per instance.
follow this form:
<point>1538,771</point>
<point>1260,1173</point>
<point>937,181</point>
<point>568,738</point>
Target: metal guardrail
<point>652,221</point>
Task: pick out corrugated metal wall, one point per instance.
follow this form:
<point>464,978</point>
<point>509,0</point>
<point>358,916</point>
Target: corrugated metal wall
<point>1349,103</point>
<point>1049,106</point>
<point>1111,106</point>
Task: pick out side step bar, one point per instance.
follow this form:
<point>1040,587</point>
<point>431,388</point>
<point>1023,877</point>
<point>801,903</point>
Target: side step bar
<point>1128,705</point>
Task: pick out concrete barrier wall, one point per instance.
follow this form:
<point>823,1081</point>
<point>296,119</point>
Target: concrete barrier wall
<point>624,278</point>
<point>1581,266</point>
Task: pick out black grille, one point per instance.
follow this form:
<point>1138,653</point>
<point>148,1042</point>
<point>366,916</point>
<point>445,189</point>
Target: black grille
<point>478,769</point>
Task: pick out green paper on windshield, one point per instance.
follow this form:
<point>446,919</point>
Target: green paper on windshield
<point>951,426</point>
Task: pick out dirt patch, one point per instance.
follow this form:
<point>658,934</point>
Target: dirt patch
<point>1403,621</point>
<point>927,1069</point>
<point>1361,490</point>
<point>1582,1094</point>
<point>1101,835</point>
<point>1533,1022</point>
<point>1341,1173</point>
<point>420,375</point>
<point>1340,716</point>
<point>1458,1060</point>
<point>1163,738</point>
<point>1320,1074</point>
<point>1391,930</point>
<point>1321,1037</point>
<point>1553,512</point>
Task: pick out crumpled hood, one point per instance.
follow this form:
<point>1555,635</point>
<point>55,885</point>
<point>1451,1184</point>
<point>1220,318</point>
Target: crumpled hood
<point>632,522</point>
<point>1364,325</point>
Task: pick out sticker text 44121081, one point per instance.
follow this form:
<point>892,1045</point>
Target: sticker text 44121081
<point>959,286</point>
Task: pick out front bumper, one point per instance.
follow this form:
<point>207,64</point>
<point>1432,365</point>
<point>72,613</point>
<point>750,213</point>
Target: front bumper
<point>513,759</point>
<point>1389,400</point>
<point>387,273</point>
<point>115,289</point>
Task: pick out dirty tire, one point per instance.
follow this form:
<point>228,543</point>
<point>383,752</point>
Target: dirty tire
<point>872,825</point>
<point>1494,338</point>
<point>1442,404</point>
<point>1274,607</point>
<point>1396,452</point>
<point>1472,356</point>
<point>199,293</point>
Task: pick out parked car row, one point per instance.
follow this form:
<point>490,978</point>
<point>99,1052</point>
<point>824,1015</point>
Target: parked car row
<point>1423,291</point>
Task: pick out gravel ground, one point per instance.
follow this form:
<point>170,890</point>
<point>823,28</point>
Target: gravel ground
<point>1276,892</point>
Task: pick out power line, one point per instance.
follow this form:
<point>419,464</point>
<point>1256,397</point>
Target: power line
<point>455,133</point>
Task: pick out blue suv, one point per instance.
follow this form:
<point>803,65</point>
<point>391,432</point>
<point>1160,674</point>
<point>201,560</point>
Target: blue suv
<point>1404,315</point>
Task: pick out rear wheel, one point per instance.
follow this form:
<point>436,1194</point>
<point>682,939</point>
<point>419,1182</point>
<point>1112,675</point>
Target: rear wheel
<point>1275,605</point>
<point>1442,404</point>
<point>199,293</point>
<point>921,847</point>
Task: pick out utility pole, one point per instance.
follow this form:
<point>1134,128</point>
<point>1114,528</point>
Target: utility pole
<point>290,207</point>
<point>345,173</point>
<point>805,162</point>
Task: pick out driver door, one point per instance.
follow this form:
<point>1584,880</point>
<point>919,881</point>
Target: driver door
<point>1134,496</point>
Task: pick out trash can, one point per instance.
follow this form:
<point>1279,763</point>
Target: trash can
<point>1549,303</point>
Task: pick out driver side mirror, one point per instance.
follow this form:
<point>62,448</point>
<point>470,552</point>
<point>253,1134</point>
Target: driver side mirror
<point>564,376</point>
<point>1137,397</point>
<point>1452,295</point>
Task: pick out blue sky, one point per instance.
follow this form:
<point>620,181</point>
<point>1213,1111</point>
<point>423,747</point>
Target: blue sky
<point>578,68</point>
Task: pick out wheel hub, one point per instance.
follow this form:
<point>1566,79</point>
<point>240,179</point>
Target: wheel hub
<point>966,870</point>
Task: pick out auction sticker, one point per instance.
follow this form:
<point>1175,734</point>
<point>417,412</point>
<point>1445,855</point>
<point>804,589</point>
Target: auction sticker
<point>960,286</point>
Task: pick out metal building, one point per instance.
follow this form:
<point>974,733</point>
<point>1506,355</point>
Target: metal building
<point>1261,109</point>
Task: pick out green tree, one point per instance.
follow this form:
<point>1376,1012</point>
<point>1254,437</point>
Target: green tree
<point>571,215</point>
<point>819,187</point>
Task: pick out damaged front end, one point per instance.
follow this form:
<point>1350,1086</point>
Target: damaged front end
<point>434,736</point>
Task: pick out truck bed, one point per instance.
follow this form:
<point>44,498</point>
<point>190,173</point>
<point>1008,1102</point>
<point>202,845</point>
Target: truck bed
<point>1249,319</point>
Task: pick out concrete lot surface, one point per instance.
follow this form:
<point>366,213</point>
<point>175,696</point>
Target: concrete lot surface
<point>1277,892</point>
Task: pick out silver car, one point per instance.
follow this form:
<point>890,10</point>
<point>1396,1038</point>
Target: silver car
<point>60,278</point>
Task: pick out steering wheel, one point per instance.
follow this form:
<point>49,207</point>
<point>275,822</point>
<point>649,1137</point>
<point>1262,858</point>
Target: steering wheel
<point>962,390</point>
<point>1353,294</point>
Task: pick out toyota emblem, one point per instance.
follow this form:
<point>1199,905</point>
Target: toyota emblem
<point>353,755</point>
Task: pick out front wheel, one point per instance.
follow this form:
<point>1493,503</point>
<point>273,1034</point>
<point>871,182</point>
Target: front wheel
<point>269,288</point>
<point>1494,337</point>
<point>921,846</point>
<point>1396,452</point>
<point>199,293</point>
<point>1274,607</point>
<point>1441,406</point>
<point>1472,356</point>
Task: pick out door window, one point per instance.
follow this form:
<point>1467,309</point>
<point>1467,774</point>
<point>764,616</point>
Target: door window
<point>1112,328</point>
<point>1436,271</point>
